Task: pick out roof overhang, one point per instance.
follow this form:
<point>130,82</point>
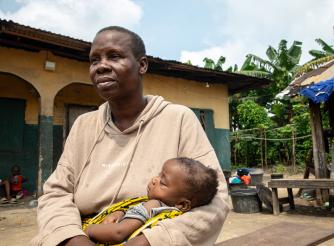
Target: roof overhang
<point>316,76</point>
<point>24,37</point>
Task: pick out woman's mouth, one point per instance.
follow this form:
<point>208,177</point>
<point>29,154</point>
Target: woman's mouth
<point>106,84</point>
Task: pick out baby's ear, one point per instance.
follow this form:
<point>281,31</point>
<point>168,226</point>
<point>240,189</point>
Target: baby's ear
<point>184,205</point>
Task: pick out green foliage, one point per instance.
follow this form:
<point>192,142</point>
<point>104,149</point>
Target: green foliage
<point>257,114</point>
<point>279,168</point>
<point>210,64</point>
<point>252,115</point>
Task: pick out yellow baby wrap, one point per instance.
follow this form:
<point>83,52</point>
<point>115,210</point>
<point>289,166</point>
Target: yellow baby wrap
<point>124,206</point>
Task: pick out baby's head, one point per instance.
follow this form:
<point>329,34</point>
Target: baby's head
<point>184,183</point>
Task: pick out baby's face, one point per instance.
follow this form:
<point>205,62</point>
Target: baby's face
<point>169,185</point>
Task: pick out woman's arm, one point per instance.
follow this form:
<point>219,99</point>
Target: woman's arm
<point>58,216</point>
<point>78,240</point>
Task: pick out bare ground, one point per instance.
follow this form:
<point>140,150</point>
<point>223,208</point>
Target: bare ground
<point>18,222</point>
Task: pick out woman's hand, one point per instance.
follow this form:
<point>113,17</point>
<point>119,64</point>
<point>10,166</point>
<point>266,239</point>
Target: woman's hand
<point>78,240</point>
<point>138,241</point>
<point>114,217</point>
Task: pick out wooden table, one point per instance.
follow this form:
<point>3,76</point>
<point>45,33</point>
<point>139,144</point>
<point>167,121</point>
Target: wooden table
<point>274,184</point>
<point>283,234</point>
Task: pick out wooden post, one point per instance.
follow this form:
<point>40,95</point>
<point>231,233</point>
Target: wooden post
<point>330,107</point>
<point>265,150</point>
<point>293,135</point>
<point>261,148</point>
<point>318,146</point>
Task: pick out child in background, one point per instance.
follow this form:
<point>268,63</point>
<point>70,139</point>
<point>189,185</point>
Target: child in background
<point>182,184</point>
<point>4,183</point>
<point>16,182</point>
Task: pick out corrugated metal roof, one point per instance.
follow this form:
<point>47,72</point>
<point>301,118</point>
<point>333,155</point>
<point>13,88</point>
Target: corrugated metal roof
<point>25,37</point>
<point>318,75</point>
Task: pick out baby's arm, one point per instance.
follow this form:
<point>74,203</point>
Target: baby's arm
<point>114,233</point>
<point>114,217</point>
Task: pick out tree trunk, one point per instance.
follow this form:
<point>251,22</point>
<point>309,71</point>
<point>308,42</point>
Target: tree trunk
<point>318,146</point>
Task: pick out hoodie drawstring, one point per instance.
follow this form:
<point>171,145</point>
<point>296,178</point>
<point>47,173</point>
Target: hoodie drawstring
<point>128,163</point>
<point>89,155</point>
<point>126,170</point>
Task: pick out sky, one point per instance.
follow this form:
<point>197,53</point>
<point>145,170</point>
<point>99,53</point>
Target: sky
<point>185,30</point>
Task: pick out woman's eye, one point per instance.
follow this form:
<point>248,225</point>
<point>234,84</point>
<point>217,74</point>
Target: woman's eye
<point>93,61</point>
<point>113,56</point>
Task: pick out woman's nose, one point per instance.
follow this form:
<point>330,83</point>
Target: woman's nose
<point>103,67</point>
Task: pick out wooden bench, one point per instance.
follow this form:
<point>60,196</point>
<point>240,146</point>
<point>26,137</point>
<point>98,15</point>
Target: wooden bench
<point>283,234</point>
<point>274,184</point>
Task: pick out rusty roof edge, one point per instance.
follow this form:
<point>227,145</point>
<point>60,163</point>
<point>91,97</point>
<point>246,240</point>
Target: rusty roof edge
<point>13,28</point>
<point>176,65</point>
<point>10,27</point>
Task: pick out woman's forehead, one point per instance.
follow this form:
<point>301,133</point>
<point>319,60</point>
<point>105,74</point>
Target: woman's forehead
<point>112,36</point>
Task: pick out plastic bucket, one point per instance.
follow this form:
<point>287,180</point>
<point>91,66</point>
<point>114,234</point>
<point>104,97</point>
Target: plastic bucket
<point>246,201</point>
<point>276,176</point>
<point>256,176</point>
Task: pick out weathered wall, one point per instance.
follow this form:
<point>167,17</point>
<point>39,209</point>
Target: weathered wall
<point>191,94</point>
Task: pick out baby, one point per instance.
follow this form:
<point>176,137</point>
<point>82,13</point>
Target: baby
<point>182,184</point>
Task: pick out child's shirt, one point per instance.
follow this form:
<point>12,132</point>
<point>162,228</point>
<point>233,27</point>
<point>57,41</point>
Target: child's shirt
<point>16,183</point>
<point>139,212</point>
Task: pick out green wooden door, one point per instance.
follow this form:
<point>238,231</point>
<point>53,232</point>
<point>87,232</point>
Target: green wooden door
<point>11,133</point>
<point>205,117</point>
<point>11,125</point>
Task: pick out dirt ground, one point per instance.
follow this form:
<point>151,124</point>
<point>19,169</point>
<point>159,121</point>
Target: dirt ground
<point>18,222</point>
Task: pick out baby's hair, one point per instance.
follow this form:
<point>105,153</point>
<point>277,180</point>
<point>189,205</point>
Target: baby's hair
<point>138,46</point>
<point>201,181</point>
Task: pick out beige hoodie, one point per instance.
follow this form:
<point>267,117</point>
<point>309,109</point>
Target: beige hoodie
<point>100,164</point>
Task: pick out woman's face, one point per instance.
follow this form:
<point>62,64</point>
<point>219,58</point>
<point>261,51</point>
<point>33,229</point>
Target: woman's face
<point>114,70</point>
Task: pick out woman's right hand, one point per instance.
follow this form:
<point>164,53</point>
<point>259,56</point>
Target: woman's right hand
<point>78,240</point>
<point>114,217</point>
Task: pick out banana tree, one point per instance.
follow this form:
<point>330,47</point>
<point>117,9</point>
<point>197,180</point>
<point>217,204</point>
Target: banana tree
<point>210,64</point>
<point>280,66</point>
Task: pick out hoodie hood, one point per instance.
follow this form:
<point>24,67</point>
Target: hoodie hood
<point>155,104</point>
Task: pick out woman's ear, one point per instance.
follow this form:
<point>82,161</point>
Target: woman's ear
<point>184,205</point>
<point>143,65</point>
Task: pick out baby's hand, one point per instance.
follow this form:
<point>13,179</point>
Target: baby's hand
<point>113,217</point>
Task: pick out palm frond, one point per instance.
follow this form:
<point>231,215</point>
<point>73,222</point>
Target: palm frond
<point>317,54</point>
<point>271,53</point>
<point>208,63</point>
<point>295,51</point>
<point>326,47</point>
<point>267,65</point>
<point>255,73</point>
<point>219,64</point>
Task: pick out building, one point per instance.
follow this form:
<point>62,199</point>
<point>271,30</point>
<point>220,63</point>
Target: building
<point>44,86</point>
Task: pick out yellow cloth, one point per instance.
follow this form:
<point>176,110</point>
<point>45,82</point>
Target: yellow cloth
<point>124,206</point>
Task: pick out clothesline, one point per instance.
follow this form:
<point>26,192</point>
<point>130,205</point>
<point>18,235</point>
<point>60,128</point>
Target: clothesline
<point>272,139</point>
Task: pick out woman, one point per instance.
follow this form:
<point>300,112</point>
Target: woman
<point>110,154</point>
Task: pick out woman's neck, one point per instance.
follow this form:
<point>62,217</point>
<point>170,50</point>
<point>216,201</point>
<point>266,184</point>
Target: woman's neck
<point>125,112</point>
